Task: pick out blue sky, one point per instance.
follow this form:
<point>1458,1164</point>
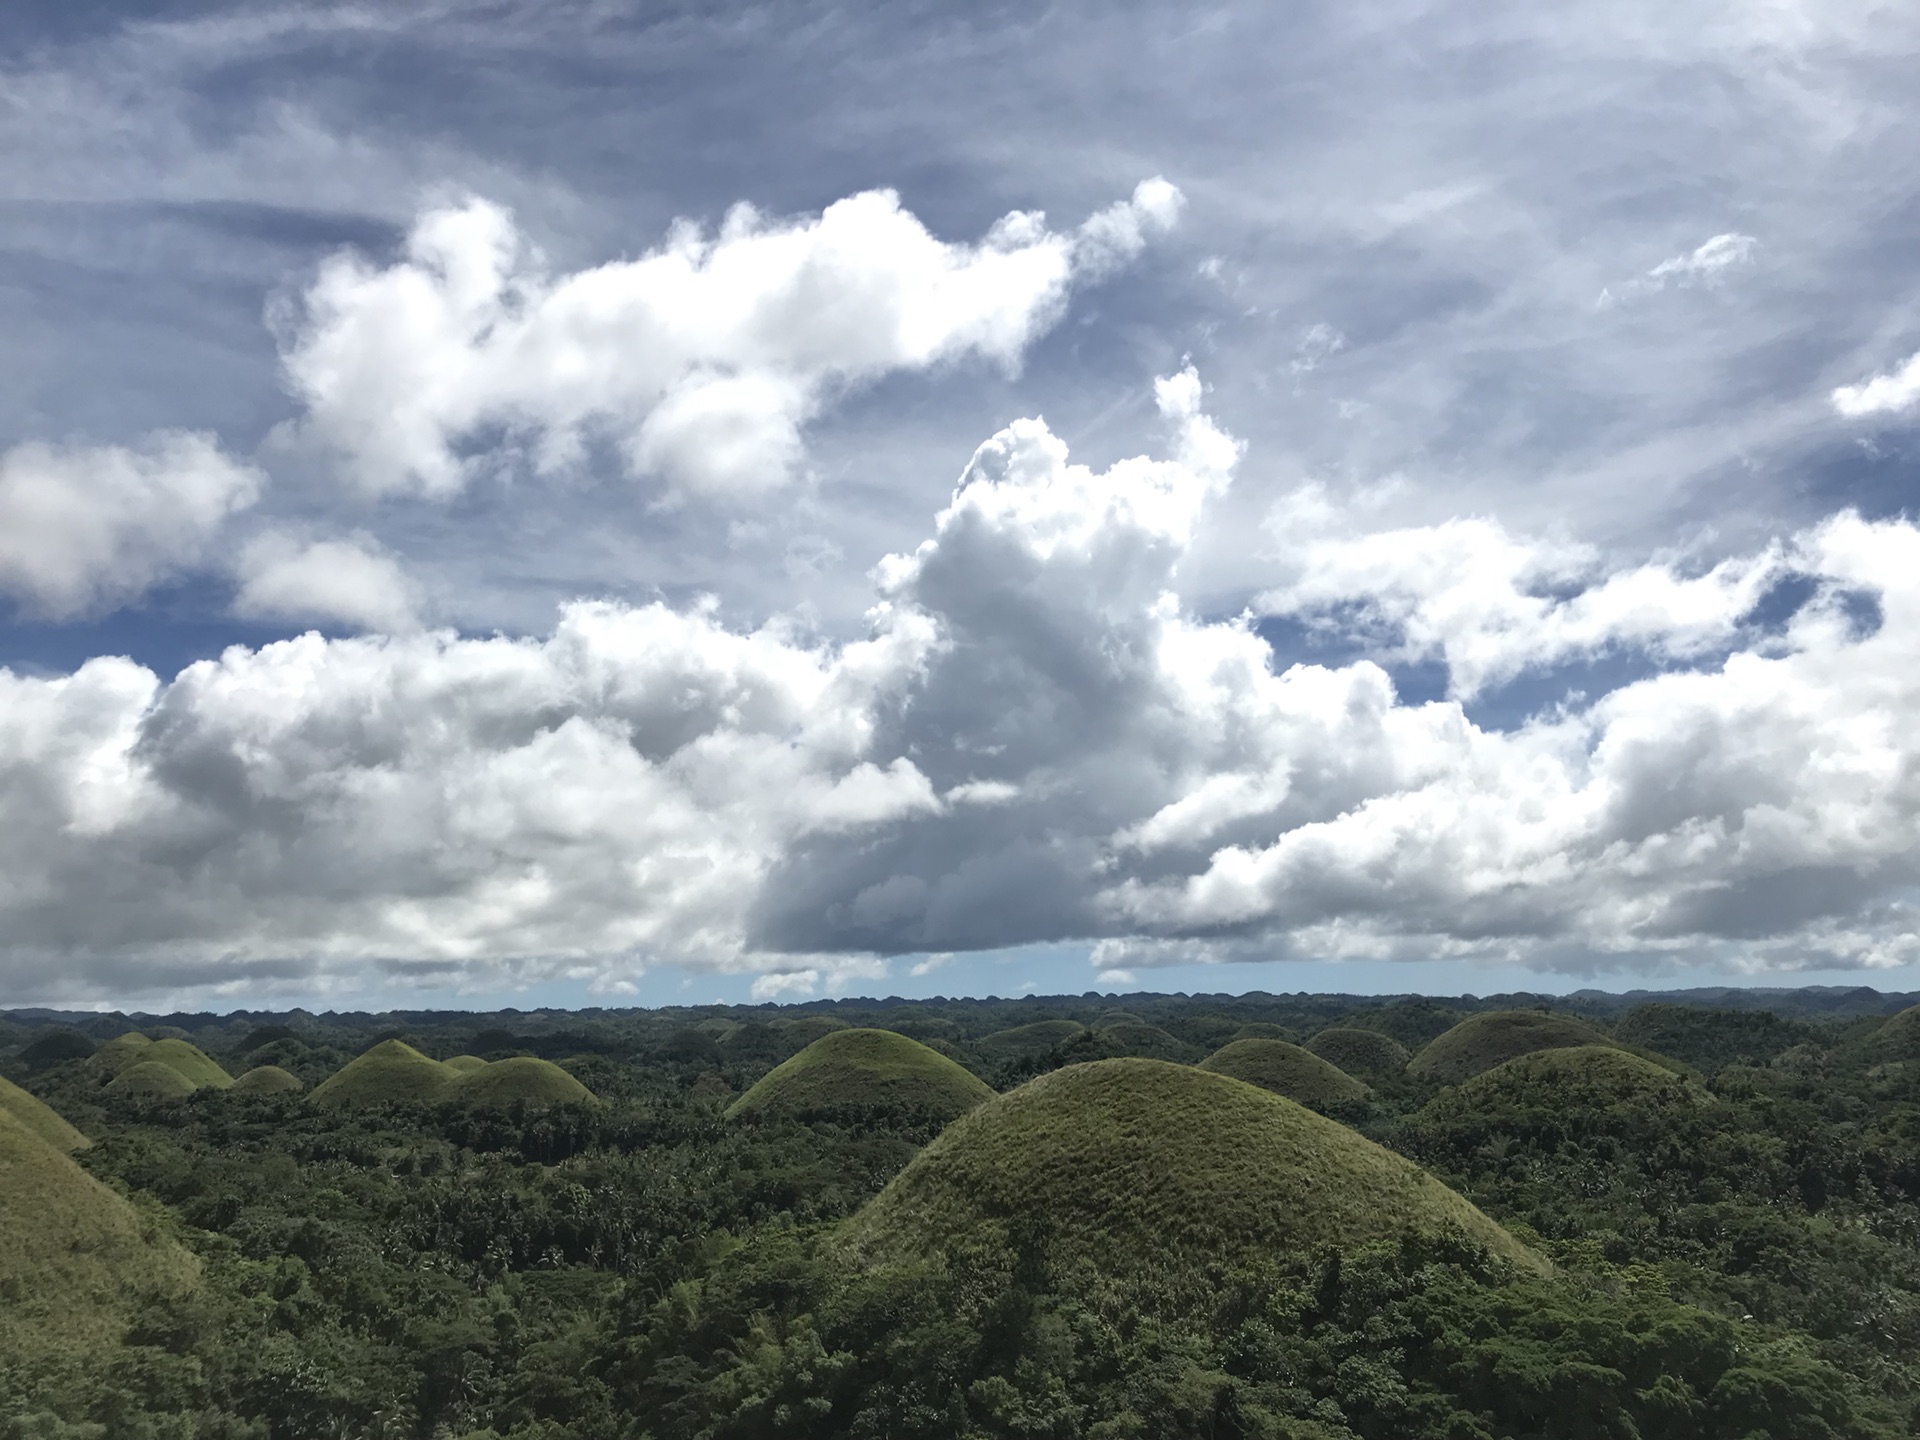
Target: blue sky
<point>1402,496</point>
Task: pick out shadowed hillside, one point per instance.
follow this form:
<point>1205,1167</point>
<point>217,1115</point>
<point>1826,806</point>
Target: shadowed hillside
<point>1899,1038</point>
<point>1025,1042</point>
<point>1360,1052</point>
<point>1580,1077</point>
<point>854,1069</point>
<point>1285,1070</point>
<point>1481,1042</point>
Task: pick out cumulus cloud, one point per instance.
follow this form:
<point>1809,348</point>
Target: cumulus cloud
<point>350,580</point>
<point>701,361</point>
<point>83,528</point>
<point>1706,264</point>
<point>1890,394</point>
<point>1036,741</point>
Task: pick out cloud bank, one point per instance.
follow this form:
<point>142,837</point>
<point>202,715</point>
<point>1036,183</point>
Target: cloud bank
<point>1036,740</point>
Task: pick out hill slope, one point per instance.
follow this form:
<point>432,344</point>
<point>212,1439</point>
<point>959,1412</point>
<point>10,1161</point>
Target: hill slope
<point>1483,1041</point>
<point>1025,1041</point>
<point>150,1080</point>
<point>863,1068</point>
<point>1153,1172</point>
<point>392,1071</point>
<point>538,1082</point>
<point>1899,1038</point>
<point>76,1260</point>
<point>268,1080</point>
<point>1360,1052</point>
<point>1285,1070</point>
<point>1583,1077</point>
<point>41,1118</point>
<point>197,1067</point>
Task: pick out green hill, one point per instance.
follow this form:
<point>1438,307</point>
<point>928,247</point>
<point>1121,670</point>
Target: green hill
<point>1580,1077</point>
<point>1024,1042</point>
<point>150,1080</point>
<point>267,1080</point>
<point>41,1118</point>
<point>198,1069</point>
<point>1135,1037</point>
<point>809,1028</point>
<point>465,1064</point>
<point>1899,1038</point>
<point>121,1051</point>
<point>863,1069</point>
<point>1262,1030</point>
<point>1285,1070</point>
<point>538,1082</point>
<point>76,1262</point>
<point>1483,1041</point>
<point>1141,1171</point>
<point>1360,1052</point>
<point>392,1071</point>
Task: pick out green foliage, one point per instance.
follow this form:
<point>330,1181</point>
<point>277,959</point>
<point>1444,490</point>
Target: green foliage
<point>1710,1039</point>
<point>1151,1176</point>
<point>1360,1052</point>
<point>1285,1070</point>
<point>1483,1041</point>
<point>1023,1042</point>
<point>1899,1038</point>
<point>850,1070</point>
<point>56,1047</point>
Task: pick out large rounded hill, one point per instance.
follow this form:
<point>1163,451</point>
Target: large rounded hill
<point>268,1080</point>
<point>41,1118</point>
<point>1285,1070</point>
<point>391,1072</point>
<point>522,1078</point>
<point>863,1069</point>
<point>1576,1078</point>
<point>1899,1038</point>
<point>1483,1041</point>
<point>1360,1052</point>
<point>1157,1174</point>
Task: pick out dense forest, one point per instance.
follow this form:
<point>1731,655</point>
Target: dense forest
<point>1139,1216</point>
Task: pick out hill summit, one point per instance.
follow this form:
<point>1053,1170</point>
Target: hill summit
<point>1149,1172</point>
<point>391,1072</point>
<point>863,1069</point>
<point>1360,1052</point>
<point>537,1082</point>
<point>1483,1041</point>
<point>1285,1070</point>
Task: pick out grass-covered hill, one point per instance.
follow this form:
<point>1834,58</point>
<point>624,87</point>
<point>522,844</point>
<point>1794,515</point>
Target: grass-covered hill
<point>391,1072</point>
<point>77,1262</point>
<point>149,1080</point>
<point>41,1118</point>
<point>192,1064</point>
<point>1360,1052</point>
<point>522,1078</point>
<point>863,1069</point>
<point>1285,1070</point>
<point>1141,1169</point>
<point>1262,1030</point>
<point>1899,1038</point>
<point>120,1052</point>
<point>1483,1041</point>
<point>1023,1042</point>
<point>464,1064</point>
<point>1574,1079</point>
<point>267,1080</point>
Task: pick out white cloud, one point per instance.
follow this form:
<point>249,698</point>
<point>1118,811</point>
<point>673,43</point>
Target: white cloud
<point>1706,264</point>
<point>1888,394</point>
<point>701,360</point>
<point>647,786</point>
<point>1117,977</point>
<point>350,580</point>
<point>930,964</point>
<point>84,528</point>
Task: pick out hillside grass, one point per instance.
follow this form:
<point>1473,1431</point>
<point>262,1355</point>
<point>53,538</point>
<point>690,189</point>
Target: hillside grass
<point>76,1263</point>
<point>391,1072</point>
<point>1899,1038</point>
<point>41,1118</point>
<point>858,1069</point>
<point>194,1064</point>
<point>150,1080</point>
<point>267,1080</point>
<point>523,1078</point>
<point>464,1064</point>
<point>120,1052</point>
<point>1580,1077</point>
<point>1285,1069</point>
<point>1024,1042</point>
<point>1483,1041</point>
<point>1144,1173</point>
<point>1360,1052</point>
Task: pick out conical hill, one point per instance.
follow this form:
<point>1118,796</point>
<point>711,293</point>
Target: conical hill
<point>1026,1041</point>
<point>1483,1041</point>
<point>150,1080</point>
<point>863,1069</point>
<point>1580,1077</point>
<point>464,1064</point>
<point>268,1080</point>
<point>392,1071</point>
<point>1285,1070</point>
<point>41,1118</point>
<point>194,1064</point>
<point>1899,1038</point>
<point>537,1082</point>
<point>1360,1052</point>
<point>1147,1173</point>
<point>120,1052</point>
<point>76,1261</point>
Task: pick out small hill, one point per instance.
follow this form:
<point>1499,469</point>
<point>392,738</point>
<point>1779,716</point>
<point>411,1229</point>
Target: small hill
<point>465,1064</point>
<point>1107,1019</point>
<point>852,1069</point>
<point>537,1082</point>
<point>1899,1038</point>
<point>267,1080</point>
<point>76,1261</point>
<point>391,1072</point>
<point>1285,1070</point>
<point>150,1080</point>
<point>1135,1037</point>
<point>1023,1042</point>
<point>41,1118</point>
<point>809,1028</point>
<point>1483,1041</point>
<point>121,1051</point>
<point>1580,1077</point>
<point>1147,1173</point>
<point>192,1063</point>
<point>56,1047</point>
<point>1360,1052</point>
<point>1262,1030</point>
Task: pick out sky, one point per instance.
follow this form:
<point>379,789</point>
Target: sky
<point>601,503</point>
